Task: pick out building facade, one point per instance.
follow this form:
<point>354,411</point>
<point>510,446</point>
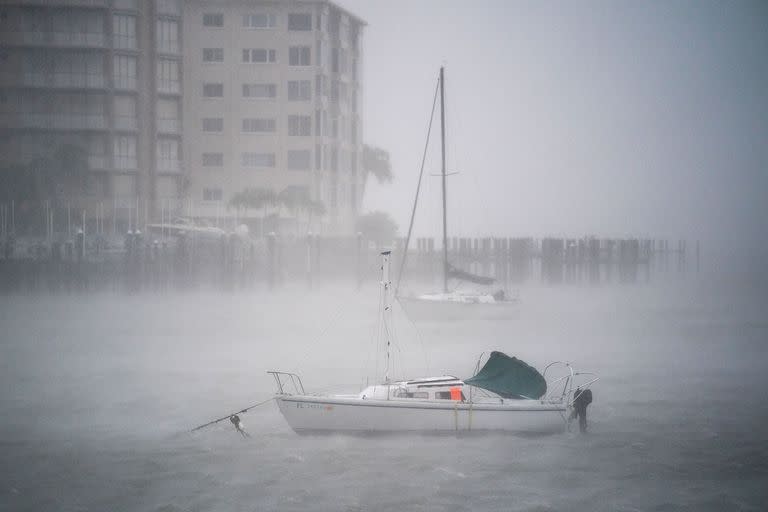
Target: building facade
<point>179,105</point>
<point>272,96</point>
<point>104,76</point>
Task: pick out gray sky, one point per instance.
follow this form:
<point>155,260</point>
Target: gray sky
<point>614,118</point>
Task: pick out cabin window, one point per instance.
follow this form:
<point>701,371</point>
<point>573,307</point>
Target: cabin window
<point>446,395</point>
<point>415,394</point>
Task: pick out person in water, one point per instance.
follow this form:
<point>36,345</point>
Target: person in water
<point>235,419</point>
<point>582,398</point>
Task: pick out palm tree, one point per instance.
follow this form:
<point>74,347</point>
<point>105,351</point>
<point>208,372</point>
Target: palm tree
<point>254,198</point>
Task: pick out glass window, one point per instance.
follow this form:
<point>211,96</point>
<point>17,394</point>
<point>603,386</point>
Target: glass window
<point>302,21</point>
<point>299,125</point>
<point>168,76</point>
<point>213,124</point>
<point>299,90</point>
<point>167,155</point>
<point>213,54</point>
<point>213,90</point>
<point>213,159</point>
<point>167,36</point>
<point>259,55</point>
<point>168,115</point>
<point>259,21</point>
<point>259,125</point>
<point>299,56</point>
<point>124,109</point>
<point>124,72</point>
<point>265,91</point>
<point>299,160</point>
<point>213,19</point>
<point>257,159</point>
<point>125,152</point>
<point>124,28</point>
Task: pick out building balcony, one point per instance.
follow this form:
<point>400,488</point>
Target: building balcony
<point>169,166</point>
<point>125,123</point>
<point>169,126</point>
<point>63,122</point>
<point>58,3</point>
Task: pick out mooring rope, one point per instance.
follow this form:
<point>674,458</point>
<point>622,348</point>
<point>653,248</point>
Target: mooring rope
<point>228,416</point>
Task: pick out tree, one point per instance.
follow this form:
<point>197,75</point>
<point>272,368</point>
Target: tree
<point>377,226</point>
<point>256,198</point>
<point>376,162</point>
<point>297,201</point>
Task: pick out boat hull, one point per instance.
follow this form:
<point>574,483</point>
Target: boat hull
<point>437,310</point>
<point>315,414</point>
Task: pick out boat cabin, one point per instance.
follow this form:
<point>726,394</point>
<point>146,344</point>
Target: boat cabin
<point>445,387</point>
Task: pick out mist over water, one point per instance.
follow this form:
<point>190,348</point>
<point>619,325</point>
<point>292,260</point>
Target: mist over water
<point>100,391</point>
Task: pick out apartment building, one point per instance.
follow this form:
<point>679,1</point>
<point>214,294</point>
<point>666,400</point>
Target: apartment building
<point>102,75</point>
<point>272,96</point>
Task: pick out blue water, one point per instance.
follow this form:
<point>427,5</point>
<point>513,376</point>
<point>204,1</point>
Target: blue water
<point>98,393</point>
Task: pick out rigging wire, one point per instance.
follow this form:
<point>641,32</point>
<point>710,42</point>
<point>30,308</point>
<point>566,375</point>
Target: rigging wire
<point>418,188</point>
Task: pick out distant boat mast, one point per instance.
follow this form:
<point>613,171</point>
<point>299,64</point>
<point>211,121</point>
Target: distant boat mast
<point>442,140</point>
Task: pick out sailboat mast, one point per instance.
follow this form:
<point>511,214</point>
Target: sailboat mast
<point>442,145</point>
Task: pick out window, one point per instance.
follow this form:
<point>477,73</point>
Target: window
<point>168,36</point>
<point>168,76</point>
<point>300,21</point>
<point>124,72</point>
<point>125,152</point>
<point>299,125</point>
<point>213,19</point>
<point>212,194</point>
<point>299,90</point>
<point>259,55</point>
<point>318,156</point>
<point>445,395</point>
<point>257,159</point>
<point>124,109</point>
<point>353,196</point>
<point>264,91</point>
<point>299,56</point>
<point>167,155</point>
<point>213,159</point>
<point>213,90</point>
<point>213,124</point>
<point>124,28</point>
<point>259,125</point>
<point>213,54</point>
<point>407,394</point>
<point>259,21</point>
<point>76,27</point>
<point>168,7</point>
<point>168,115</point>
<point>298,160</point>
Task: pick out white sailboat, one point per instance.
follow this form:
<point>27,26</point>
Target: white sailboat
<point>505,395</point>
<point>482,292</point>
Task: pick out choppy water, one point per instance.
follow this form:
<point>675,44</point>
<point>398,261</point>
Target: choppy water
<point>98,391</point>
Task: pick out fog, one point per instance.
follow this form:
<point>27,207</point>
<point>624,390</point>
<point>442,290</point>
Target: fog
<point>613,118</point>
<point>100,393</point>
<point>609,119</point>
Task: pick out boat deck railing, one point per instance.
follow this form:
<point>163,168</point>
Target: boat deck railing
<point>288,383</point>
<point>570,379</point>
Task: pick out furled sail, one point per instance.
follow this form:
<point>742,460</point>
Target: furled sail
<point>456,273</point>
<point>509,377</point>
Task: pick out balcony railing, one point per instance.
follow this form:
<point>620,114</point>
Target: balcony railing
<point>168,125</point>
<point>57,3</point>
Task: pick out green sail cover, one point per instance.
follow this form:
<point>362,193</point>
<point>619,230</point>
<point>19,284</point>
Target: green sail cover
<point>509,377</point>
